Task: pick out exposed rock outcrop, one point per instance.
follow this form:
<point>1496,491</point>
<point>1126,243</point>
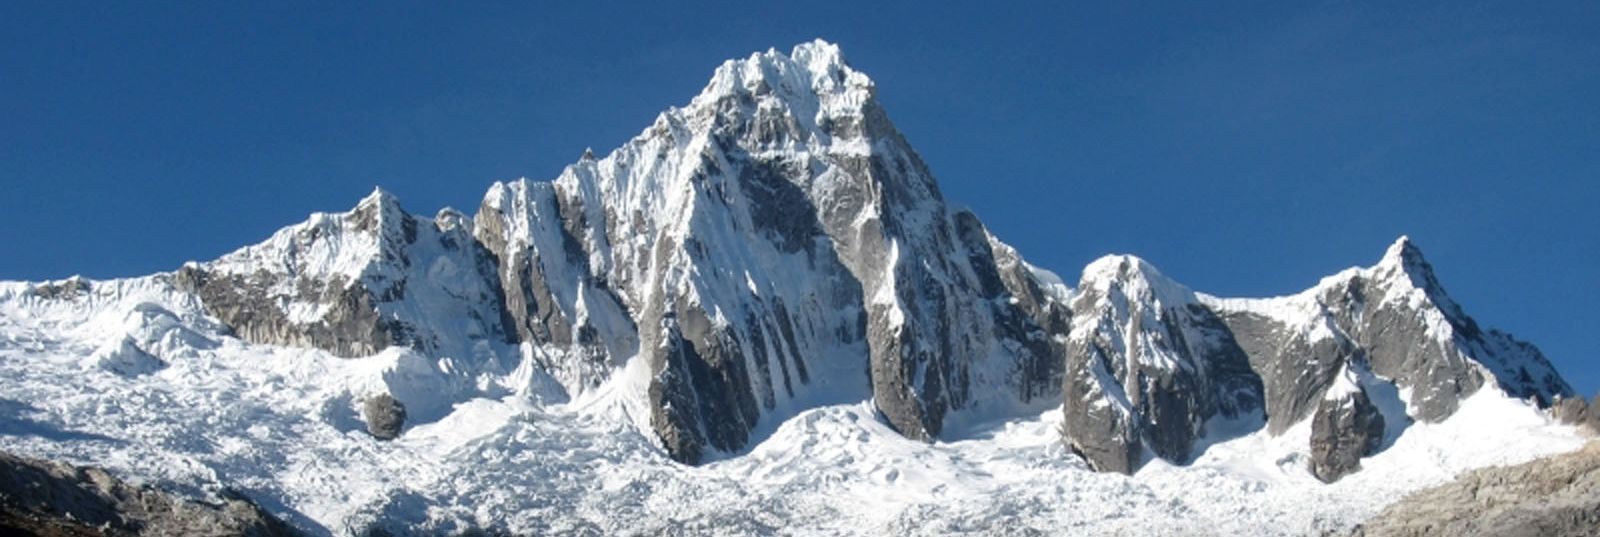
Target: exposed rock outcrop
<point>557,299</point>
<point>1396,317</point>
<point>1345,428</point>
<point>355,283</point>
<point>774,244</point>
<point>1577,412</point>
<point>385,416</point>
<point>49,498</point>
<point>1556,496</point>
<point>67,289</point>
<point>1149,361</point>
<point>1147,366</point>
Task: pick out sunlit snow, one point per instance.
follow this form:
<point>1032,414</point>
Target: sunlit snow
<point>281,426</point>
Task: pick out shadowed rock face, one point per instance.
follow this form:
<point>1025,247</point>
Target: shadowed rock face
<point>1147,366</point>
<point>1295,368</point>
<point>1344,430</point>
<point>775,245</point>
<point>1556,496</point>
<point>1415,334</point>
<point>1023,314</point>
<point>355,283</point>
<point>350,327</point>
<point>1137,378</point>
<point>40,497</point>
<point>1577,412</point>
<point>1397,318</point>
<point>556,298</point>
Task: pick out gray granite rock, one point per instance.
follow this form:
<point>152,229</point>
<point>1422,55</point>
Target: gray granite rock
<point>42,497</point>
<point>1343,430</point>
<point>257,290</point>
<point>385,416</point>
<point>1147,367</point>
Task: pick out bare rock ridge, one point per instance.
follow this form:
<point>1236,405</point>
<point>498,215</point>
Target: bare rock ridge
<point>48,498</point>
<point>776,244</point>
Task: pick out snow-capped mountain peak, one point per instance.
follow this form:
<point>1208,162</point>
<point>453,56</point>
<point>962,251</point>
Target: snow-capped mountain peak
<point>1409,277</point>
<point>1134,278</point>
<point>765,283</point>
<point>813,80</point>
<point>1404,263</point>
<point>379,198</point>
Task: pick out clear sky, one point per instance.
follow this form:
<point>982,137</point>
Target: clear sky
<point>1247,149</point>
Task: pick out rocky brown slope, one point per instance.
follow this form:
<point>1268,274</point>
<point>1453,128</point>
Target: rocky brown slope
<point>1554,496</point>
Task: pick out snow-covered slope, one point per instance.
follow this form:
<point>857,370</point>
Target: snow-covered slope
<point>767,284</point>
<point>279,425</point>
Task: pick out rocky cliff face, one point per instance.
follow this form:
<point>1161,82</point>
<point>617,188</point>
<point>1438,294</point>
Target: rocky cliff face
<point>1147,367</point>
<point>1345,428</point>
<point>354,283</point>
<point>1150,361</point>
<point>776,244</point>
<point>563,306</point>
<point>1397,317</point>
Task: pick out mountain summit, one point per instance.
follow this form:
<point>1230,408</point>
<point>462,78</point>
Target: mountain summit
<point>764,245</point>
<point>764,262</point>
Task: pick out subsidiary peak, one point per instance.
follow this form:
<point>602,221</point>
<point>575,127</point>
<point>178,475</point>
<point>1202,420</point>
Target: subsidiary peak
<point>1133,275</point>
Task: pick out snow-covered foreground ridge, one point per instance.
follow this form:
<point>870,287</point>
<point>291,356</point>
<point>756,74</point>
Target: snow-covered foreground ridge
<point>766,285</point>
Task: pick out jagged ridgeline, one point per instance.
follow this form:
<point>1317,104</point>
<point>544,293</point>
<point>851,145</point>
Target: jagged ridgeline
<point>773,246</point>
<point>777,245</point>
<point>1151,364</point>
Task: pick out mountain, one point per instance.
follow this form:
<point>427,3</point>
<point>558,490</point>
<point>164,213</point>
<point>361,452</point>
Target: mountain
<point>766,287</point>
<point>1151,362</point>
<point>758,249</point>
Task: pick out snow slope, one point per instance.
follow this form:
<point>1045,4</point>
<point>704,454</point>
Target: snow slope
<point>279,424</point>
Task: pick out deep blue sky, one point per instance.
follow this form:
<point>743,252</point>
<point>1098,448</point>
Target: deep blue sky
<point>1247,150</point>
